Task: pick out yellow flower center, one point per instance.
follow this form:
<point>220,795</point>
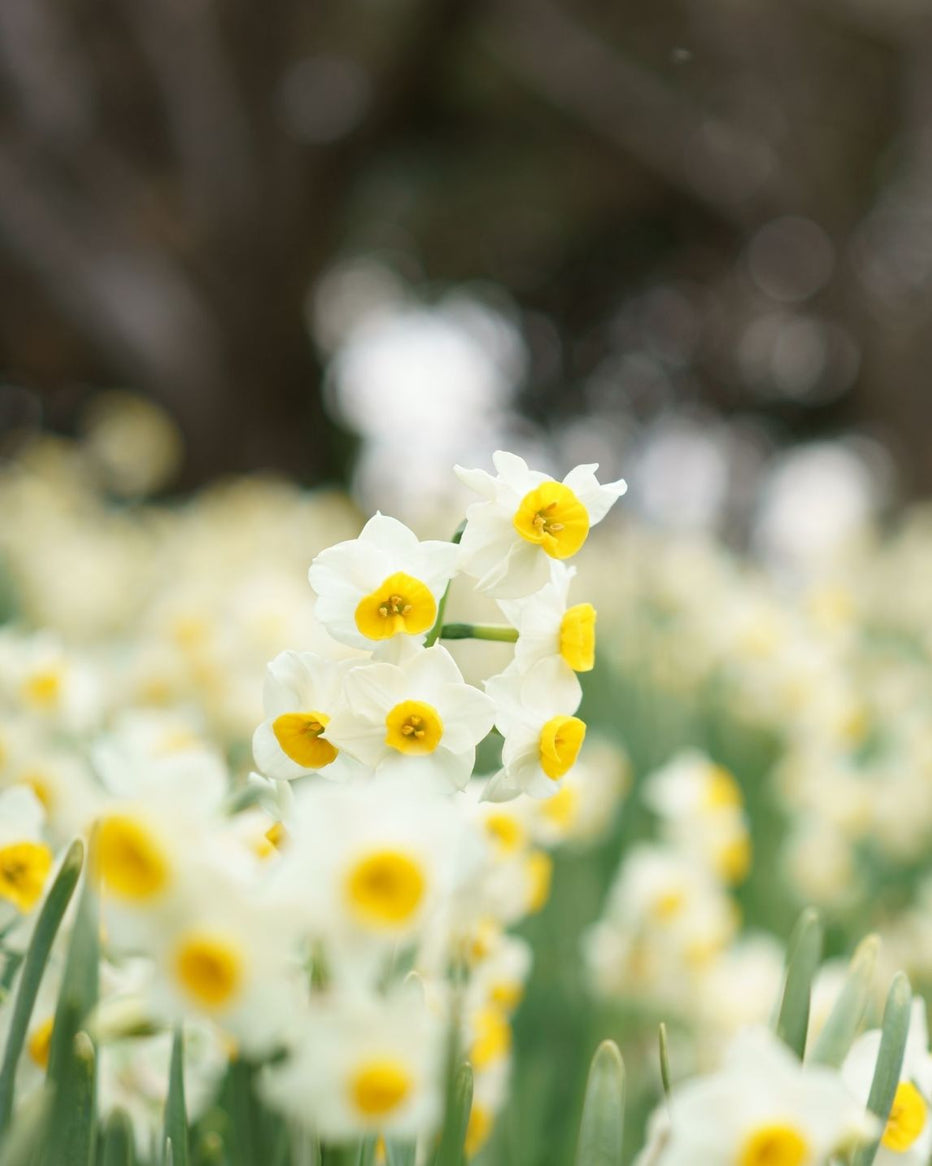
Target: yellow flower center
<point>560,741</point>
<point>507,833</point>
<point>507,994</point>
<point>907,1118</point>
<point>300,736</point>
<point>539,867</point>
<point>40,1043</point>
<point>209,970</point>
<point>401,604</point>
<point>734,859</point>
<point>668,904</point>
<point>577,637</point>
<point>385,888</point>
<point>129,860</point>
<point>379,1086</point>
<point>552,517</point>
<point>477,1130</point>
<point>722,792</point>
<point>560,810</point>
<point>413,727</point>
<point>492,1038</point>
<point>24,867</point>
<point>43,689</point>
<point>774,1145</point>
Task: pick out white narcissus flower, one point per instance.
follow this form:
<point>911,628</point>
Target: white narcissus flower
<point>907,1137</point>
<point>526,520</point>
<point>302,694</point>
<point>383,584</point>
<point>547,626</point>
<point>416,716</point>
<point>369,863</point>
<point>364,1064</point>
<point>228,955</point>
<point>535,714</point>
<point>25,860</point>
<point>763,1108</point>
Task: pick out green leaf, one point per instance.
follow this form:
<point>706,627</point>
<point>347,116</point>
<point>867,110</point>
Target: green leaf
<point>25,1138</point>
<point>50,917</point>
<point>664,1060</point>
<point>802,962</point>
<point>400,1153</point>
<point>456,1119</point>
<point>176,1115</point>
<point>893,1035</point>
<point>845,1019</point>
<point>118,1145</point>
<point>600,1134</point>
<point>72,1070</point>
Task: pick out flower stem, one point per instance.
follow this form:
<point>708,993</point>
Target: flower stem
<point>479,631</point>
<point>434,634</point>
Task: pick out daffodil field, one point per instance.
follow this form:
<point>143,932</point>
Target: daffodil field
<point>326,843</point>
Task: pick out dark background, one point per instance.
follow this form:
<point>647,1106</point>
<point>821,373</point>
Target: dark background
<point>740,191</point>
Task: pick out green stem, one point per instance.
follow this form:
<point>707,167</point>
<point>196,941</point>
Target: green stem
<point>479,631</point>
<point>435,632</point>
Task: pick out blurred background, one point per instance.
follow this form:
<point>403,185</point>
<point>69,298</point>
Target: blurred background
<point>690,241</point>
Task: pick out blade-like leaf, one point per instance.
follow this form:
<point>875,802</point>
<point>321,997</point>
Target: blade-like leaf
<point>664,1060</point>
<point>844,1021</point>
<point>456,1121</point>
<point>50,917</point>
<point>600,1134</point>
<point>400,1153</point>
<point>118,1145</point>
<point>176,1116</point>
<point>802,962</point>
<point>893,1035</point>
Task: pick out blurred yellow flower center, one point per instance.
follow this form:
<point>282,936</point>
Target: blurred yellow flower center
<point>907,1118</point>
<point>385,888</point>
<point>577,637</point>
<point>43,689</point>
<point>129,860</point>
<point>553,517</point>
<point>722,791</point>
<point>400,604</point>
<point>40,1042</point>
<point>668,904</point>
<point>775,1145</point>
<point>300,736</point>
<point>492,1038</point>
<point>24,867</point>
<point>507,994</point>
<point>539,867</point>
<point>380,1086</point>
<point>560,810</point>
<point>561,739</point>
<point>734,859</point>
<point>477,1130</point>
<point>505,831</point>
<point>413,727</point>
<point>209,969</point>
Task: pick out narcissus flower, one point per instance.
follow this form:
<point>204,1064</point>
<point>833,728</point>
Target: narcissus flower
<point>416,716</point>
<point>25,859</point>
<point>303,692</point>
<point>525,521</point>
<point>364,1064</point>
<point>383,584</point>
<point>535,714</point>
<point>547,626</point>
<point>763,1108</point>
<point>907,1136</point>
<point>370,862</point>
